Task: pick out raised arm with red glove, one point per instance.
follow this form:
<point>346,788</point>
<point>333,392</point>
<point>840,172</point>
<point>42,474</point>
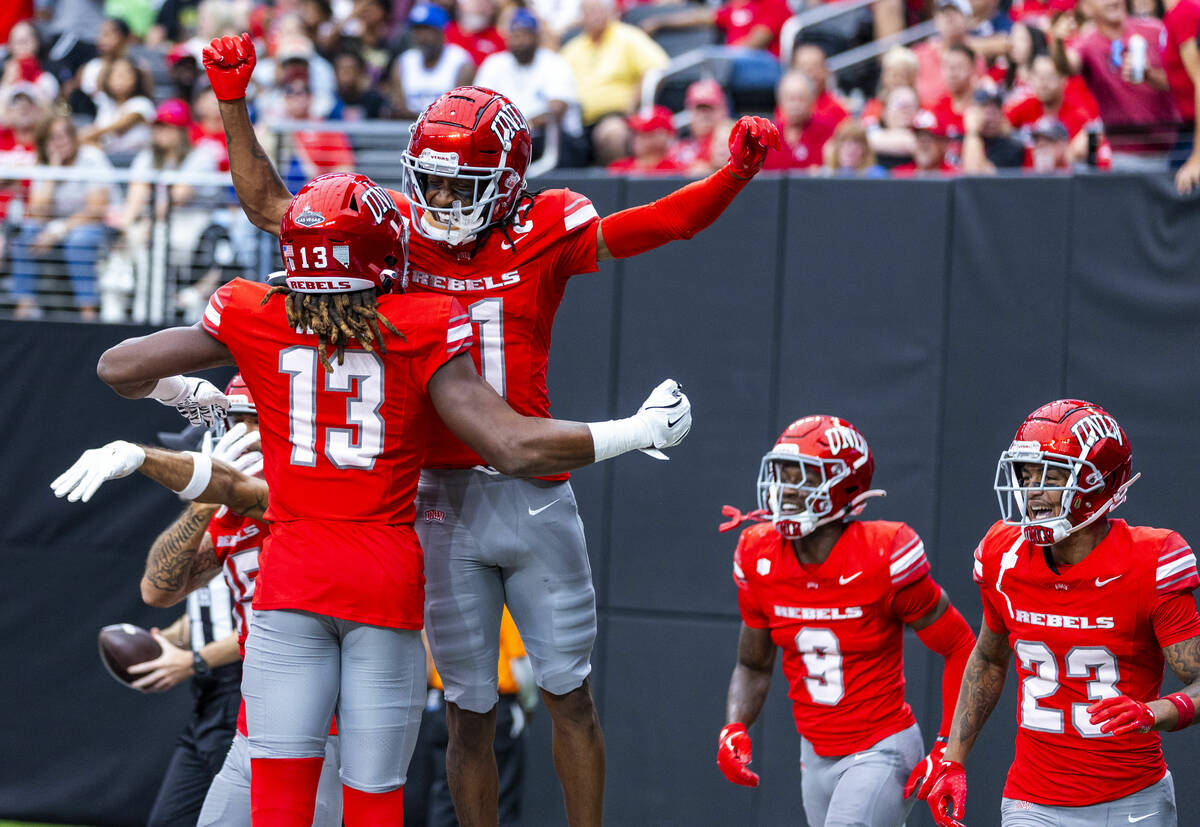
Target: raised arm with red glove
<point>229,62</point>
<point>690,209</point>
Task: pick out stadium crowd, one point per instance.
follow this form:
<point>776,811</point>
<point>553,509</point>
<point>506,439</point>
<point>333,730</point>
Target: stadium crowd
<point>1035,85</point>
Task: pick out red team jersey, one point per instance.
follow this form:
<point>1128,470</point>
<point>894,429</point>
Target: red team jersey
<point>1094,630</point>
<point>840,626</point>
<point>237,540</point>
<point>342,451</point>
<point>511,293</point>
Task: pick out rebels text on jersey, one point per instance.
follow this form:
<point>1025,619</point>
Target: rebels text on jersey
<point>342,451</point>
<point>1092,630</point>
<point>840,626</point>
<point>511,288</point>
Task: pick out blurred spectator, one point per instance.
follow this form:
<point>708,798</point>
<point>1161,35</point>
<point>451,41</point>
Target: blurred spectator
<point>78,18</point>
<point>754,24</point>
<point>1050,151</point>
<point>112,41</point>
<point>958,75</point>
<point>22,64</point>
<point>173,23</point>
<point>124,110</point>
<point>138,14</point>
<point>894,140</point>
<point>292,56</point>
<point>184,71</point>
<point>540,83</point>
<point>317,17</point>
<point>208,127</point>
<point>1128,104</point>
<point>557,18</point>
<point>809,58</point>
<point>1025,43</point>
<point>475,29</point>
<point>848,153</point>
<point>929,154</point>
<point>355,98</point>
<point>1048,98</point>
<point>706,148</point>
<point>989,28</point>
<point>652,137</point>
<point>803,134</point>
<point>20,114</point>
<point>431,67</point>
<point>609,59</point>
<point>988,142</point>
<point>953,20</point>
<point>313,152</point>
<point>63,215</point>
<point>368,31</point>
<point>1181,60</point>
<point>897,67</point>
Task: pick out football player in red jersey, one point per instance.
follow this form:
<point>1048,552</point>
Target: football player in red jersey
<point>1092,607</point>
<point>348,379</point>
<point>507,255</point>
<point>835,595</point>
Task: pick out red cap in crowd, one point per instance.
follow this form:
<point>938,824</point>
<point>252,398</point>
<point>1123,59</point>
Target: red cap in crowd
<point>658,118</point>
<point>173,112</point>
<point>705,92</point>
<point>178,53</point>
<point>926,121</point>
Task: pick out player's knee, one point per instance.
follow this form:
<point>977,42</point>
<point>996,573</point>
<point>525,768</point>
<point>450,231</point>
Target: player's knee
<point>574,707</point>
<point>470,729</point>
<point>292,746</point>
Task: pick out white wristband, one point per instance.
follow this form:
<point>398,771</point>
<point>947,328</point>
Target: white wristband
<point>201,475</point>
<point>169,390</point>
<point>619,436</point>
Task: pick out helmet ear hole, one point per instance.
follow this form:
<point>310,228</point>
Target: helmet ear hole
<point>353,203</point>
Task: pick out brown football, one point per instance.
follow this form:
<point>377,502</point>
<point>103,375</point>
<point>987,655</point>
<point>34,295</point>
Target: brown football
<point>122,645</point>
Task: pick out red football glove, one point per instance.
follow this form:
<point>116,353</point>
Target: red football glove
<point>924,771</point>
<point>733,755</point>
<point>1121,715</point>
<point>749,141</point>
<point>947,796</point>
<point>229,62</point>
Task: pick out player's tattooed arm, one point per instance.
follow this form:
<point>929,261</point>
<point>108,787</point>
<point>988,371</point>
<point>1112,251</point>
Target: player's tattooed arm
<point>1184,660</point>
<point>982,684</point>
<point>229,487</point>
<point>259,188</point>
<point>751,675</point>
<point>175,555</point>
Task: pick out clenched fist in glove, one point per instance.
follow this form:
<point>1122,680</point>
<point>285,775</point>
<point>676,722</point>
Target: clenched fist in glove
<point>662,422</point>
<point>749,141</point>
<point>1121,715</point>
<point>229,62</point>
<point>733,755</point>
<point>197,400</point>
<point>924,772</point>
<point>947,795</point>
<point>239,447</point>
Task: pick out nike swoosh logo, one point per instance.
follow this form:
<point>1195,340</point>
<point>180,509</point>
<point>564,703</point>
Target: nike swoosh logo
<point>1133,820</point>
<point>671,423</point>
<point>843,581</point>
<point>859,755</point>
<point>533,512</point>
<point>1100,583</point>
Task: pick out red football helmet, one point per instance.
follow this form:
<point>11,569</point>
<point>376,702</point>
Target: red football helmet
<point>1083,444</point>
<point>240,400</point>
<point>835,468</point>
<point>477,135</point>
<point>341,233</point>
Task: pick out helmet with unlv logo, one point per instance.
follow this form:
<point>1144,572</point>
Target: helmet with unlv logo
<point>477,136</point>
<point>240,400</point>
<point>342,233</point>
<point>833,478</point>
<point>1090,453</point>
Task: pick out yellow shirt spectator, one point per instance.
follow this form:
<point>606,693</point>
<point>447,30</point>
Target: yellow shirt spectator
<point>609,70</point>
<point>511,648</point>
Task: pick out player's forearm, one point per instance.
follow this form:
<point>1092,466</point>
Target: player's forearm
<point>179,632</point>
<point>982,684</point>
<point>133,367</point>
<point>259,188</point>
<point>221,652</point>
<point>536,447</point>
<point>747,693</point>
<point>1183,658</point>
<point>171,557</point>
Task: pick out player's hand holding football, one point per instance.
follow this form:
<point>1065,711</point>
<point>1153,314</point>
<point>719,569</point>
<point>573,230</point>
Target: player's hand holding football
<point>733,755</point>
<point>171,668</point>
<point>197,400</point>
<point>229,62</point>
<point>947,795</point>
<point>925,772</point>
<point>749,141</point>
<point>96,466</point>
<point>1121,715</point>
<point>667,416</point>
<point>236,448</point>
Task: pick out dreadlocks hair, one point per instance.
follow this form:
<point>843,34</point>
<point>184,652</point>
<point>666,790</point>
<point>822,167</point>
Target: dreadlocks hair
<point>336,318</point>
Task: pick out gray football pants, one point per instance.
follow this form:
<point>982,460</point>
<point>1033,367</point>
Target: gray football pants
<point>228,801</point>
<point>300,666</point>
<point>1151,807</point>
<point>864,789</point>
<point>489,540</point>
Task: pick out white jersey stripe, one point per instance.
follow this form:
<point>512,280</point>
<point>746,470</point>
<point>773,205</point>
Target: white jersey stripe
<point>1171,555</point>
<point>1174,567</point>
<point>213,316</point>
<point>1162,587</point>
<point>978,570</point>
<point>909,545</point>
<point>913,558</point>
<point>457,334</point>
<point>580,217</point>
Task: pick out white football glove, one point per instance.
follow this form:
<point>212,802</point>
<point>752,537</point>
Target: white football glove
<point>236,448</point>
<point>197,400</point>
<point>96,466</point>
<point>667,412</point>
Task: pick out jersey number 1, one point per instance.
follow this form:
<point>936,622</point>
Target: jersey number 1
<point>358,444</point>
<point>489,315</point>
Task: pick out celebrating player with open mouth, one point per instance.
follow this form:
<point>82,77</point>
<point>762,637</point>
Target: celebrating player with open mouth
<point>835,596</point>
<point>347,378</point>
<point>1091,606</point>
<point>489,540</point>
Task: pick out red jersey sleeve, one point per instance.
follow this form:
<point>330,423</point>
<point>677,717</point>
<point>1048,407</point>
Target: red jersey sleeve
<point>577,250</point>
<point>752,613</point>
<point>907,559</point>
<point>916,600</point>
<point>1174,613</point>
<point>459,338</point>
<point>991,615</point>
<point>217,304</point>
